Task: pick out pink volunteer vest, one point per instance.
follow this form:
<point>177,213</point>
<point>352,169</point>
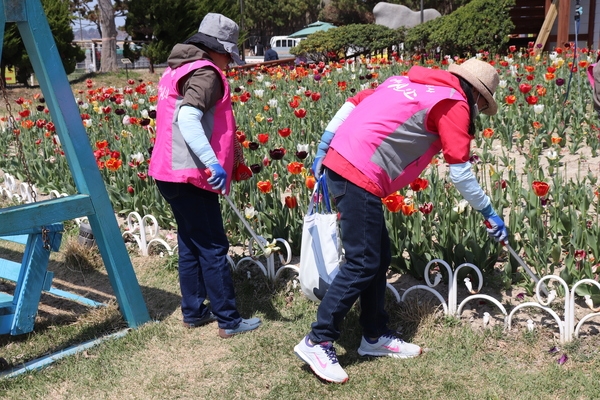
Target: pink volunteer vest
<point>385,136</point>
<point>172,160</point>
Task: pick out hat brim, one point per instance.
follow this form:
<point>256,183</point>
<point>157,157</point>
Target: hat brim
<point>216,45</point>
<point>477,84</point>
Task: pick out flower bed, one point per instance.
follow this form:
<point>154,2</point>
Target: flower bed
<point>524,158</point>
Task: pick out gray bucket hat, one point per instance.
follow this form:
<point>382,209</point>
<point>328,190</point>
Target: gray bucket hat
<point>220,34</point>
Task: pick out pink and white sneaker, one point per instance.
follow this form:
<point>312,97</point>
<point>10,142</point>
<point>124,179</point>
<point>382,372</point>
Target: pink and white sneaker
<point>388,345</point>
<point>322,359</point>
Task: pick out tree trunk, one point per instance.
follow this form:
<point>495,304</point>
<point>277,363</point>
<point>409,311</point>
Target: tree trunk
<point>108,61</point>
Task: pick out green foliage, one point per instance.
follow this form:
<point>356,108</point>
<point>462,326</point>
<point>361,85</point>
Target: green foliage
<point>356,39</point>
<point>161,24</point>
<point>284,16</point>
<point>479,25</point>
<point>59,19</point>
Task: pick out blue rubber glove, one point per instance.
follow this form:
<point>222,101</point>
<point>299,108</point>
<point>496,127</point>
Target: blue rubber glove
<point>317,167</point>
<point>218,177</point>
<point>494,224</point>
<point>321,151</point>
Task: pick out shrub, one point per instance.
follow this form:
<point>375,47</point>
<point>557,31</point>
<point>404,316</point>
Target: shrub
<point>479,25</point>
<point>354,40</point>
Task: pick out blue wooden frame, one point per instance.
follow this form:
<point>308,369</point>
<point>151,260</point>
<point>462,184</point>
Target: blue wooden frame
<point>92,198</point>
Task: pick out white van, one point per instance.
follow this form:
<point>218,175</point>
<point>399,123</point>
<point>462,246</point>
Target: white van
<point>283,44</point>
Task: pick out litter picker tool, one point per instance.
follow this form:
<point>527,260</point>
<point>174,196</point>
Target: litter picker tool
<point>259,242</point>
<point>518,258</point>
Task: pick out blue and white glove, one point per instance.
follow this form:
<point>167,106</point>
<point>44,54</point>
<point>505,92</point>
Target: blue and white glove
<point>218,177</point>
<point>494,224</point>
<point>317,166</point>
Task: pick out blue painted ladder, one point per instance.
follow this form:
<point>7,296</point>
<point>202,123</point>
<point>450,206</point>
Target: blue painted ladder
<point>92,198</point>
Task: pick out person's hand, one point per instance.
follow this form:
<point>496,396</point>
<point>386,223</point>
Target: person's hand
<point>496,228</point>
<point>317,167</point>
<point>218,177</point>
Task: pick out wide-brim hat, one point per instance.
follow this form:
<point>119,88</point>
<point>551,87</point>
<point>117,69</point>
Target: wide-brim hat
<point>218,33</point>
<point>483,77</point>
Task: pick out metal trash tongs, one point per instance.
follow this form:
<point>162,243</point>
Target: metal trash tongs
<point>239,214</point>
<point>522,264</point>
<point>525,267</point>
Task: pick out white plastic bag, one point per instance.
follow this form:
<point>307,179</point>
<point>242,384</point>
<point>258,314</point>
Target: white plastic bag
<point>321,249</point>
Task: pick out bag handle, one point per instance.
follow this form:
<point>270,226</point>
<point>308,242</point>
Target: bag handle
<point>320,187</point>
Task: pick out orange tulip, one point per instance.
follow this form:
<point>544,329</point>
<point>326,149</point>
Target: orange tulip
<point>408,209</point>
<point>394,202</point>
<point>264,186</point>
<point>295,167</point>
<point>488,133</point>
<point>310,182</point>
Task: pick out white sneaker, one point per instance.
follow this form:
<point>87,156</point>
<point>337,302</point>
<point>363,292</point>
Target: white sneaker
<point>322,360</point>
<point>389,345</point>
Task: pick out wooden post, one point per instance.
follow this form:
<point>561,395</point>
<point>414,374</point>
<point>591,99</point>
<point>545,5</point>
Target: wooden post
<point>551,13</point>
<point>564,21</point>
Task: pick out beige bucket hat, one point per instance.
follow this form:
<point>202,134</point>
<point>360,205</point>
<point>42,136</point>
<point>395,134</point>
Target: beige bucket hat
<point>483,76</point>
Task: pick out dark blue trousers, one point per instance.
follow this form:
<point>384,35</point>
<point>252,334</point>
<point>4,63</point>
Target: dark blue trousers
<point>202,246</point>
<point>367,250</point>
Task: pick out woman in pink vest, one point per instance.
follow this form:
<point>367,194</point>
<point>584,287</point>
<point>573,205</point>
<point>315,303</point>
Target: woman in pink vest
<point>192,163</point>
<point>377,143</point>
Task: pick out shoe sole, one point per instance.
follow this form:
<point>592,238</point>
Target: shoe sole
<point>393,355</point>
<point>192,325</point>
<point>306,359</point>
<point>224,335</point>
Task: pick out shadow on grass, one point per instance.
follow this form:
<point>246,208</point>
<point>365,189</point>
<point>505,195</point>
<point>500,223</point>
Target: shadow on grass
<point>61,322</point>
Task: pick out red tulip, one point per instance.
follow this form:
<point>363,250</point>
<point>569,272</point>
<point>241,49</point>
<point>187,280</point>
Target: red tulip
<point>525,87</point>
<point>285,132</point>
<point>532,100</point>
<point>419,184</point>
<point>291,202</point>
<point>540,188</point>
<point>300,112</point>
<point>263,137</point>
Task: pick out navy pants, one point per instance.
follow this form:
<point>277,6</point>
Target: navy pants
<point>367,250</point>
<point>202,246</point>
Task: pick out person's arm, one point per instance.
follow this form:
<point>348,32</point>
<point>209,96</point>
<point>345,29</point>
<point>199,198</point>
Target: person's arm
<point>451,119</point>
<point>333,125</point>
<point>201,91</point>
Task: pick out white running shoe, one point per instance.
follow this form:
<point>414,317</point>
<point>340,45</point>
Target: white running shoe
<point>322,359</point>
<point>389,345</point>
